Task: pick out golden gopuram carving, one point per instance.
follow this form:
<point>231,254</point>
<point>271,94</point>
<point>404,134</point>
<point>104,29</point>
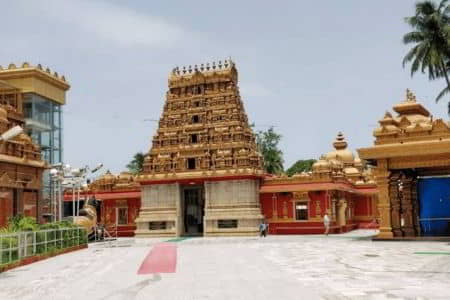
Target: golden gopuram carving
<point>21,166</point>
<point>407,146</point>
<point>203,171</point>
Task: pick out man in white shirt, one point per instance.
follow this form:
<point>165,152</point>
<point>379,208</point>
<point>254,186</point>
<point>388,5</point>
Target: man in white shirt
<point>326,223</point>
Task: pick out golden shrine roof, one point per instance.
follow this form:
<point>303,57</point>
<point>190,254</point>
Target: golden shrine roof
<point>12,68</point>
<point>412,132</point>
<point>110,182</point>
<point>36,79</point>
<point>338,166</point>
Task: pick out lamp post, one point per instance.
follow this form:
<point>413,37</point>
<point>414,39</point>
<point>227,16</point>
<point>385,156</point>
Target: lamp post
<point>65,176</point>
<point>57,173</point>
<point>80,175</point>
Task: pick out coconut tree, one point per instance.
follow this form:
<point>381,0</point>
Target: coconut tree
<point>430,38</point>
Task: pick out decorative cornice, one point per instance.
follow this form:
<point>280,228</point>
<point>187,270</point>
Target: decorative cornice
<point>200,174</point>
<point>23,161</point>
<point>433,147</point>
<point>26,69</point>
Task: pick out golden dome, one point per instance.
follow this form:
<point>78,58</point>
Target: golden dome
<point>341,153</point>
<point>357,162</point>
<point>321,165</point>
<point>125,176</point>
<point>351,171</point>
<point>107,178</point>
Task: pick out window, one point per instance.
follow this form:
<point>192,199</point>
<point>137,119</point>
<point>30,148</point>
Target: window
<point>196,104</point>
<point>227,223</point>
<point>301,211</point>
<point>194,139</point>
<point>195,119</point>
<point>157,225</point>
<point>191,163</point>
<point>122,216</point>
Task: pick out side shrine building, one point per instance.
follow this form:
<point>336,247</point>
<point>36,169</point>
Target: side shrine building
<point>202,174</point>
<point>339,185</point>
<point>412,157</point>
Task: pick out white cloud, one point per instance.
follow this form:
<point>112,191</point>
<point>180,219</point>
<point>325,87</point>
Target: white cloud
<point>112,22</point>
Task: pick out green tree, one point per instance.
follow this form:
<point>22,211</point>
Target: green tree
<point>137,163</point>
<point>430,37</point>
<point>267,142</point>
<point>302,165</point>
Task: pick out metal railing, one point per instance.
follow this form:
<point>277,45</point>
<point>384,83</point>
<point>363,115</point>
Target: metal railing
<point>18,245</point>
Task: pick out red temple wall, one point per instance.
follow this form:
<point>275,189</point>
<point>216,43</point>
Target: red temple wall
<point>109,217</point>
<point>27,204</point>
<point>6,207</point>
<point>359,213</point>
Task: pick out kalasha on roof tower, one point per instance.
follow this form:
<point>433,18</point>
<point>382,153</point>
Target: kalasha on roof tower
<point>203,171</point>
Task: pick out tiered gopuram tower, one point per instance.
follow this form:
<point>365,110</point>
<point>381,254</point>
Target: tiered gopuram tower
<point>203,171</point>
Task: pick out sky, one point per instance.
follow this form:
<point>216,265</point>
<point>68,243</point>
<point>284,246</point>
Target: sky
<point>308,68</point>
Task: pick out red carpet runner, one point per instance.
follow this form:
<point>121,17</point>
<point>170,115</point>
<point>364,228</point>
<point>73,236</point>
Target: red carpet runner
<point>161,259</point>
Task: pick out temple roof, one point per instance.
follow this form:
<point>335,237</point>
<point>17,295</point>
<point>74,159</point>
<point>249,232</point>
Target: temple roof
<point>412,132</point>
<point>203,129</point>
<point>338,169</point>
<point>203,73</point>
<point>36,79</point>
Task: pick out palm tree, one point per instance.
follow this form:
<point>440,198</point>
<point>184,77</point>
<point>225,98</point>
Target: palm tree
<point>135,166</point>
<point>431,51</point>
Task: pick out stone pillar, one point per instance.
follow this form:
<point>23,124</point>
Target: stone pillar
<point>407,208</point>
<point>341,218</point>
<point>395,204</point>
<point>384,204</point>
<point>274,207</point>
<point>179,219</point>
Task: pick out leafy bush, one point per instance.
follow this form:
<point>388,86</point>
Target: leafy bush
<point>48,237</point>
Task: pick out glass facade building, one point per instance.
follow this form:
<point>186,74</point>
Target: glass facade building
<point>44,124</point>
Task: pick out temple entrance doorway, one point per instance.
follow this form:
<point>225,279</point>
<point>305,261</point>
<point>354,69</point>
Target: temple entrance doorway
<point>434,203</point>
<point>193,210</point>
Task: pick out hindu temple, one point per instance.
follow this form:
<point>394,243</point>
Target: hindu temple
<point>411,153</point>
<point>202,174</point>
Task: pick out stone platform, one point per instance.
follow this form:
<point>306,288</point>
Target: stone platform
<point>346,266</point>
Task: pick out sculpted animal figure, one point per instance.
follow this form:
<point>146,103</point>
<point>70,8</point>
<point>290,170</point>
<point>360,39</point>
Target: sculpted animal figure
<point>88,216</point>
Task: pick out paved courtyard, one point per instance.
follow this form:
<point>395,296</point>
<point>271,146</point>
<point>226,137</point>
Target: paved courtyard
<point>277,267</point>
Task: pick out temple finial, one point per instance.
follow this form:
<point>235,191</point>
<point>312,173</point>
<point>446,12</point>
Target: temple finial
<point>410,96</point>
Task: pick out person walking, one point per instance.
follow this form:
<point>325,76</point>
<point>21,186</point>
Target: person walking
<point>261,229</point>
<point>326,223</point>
<point>266,228</point>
